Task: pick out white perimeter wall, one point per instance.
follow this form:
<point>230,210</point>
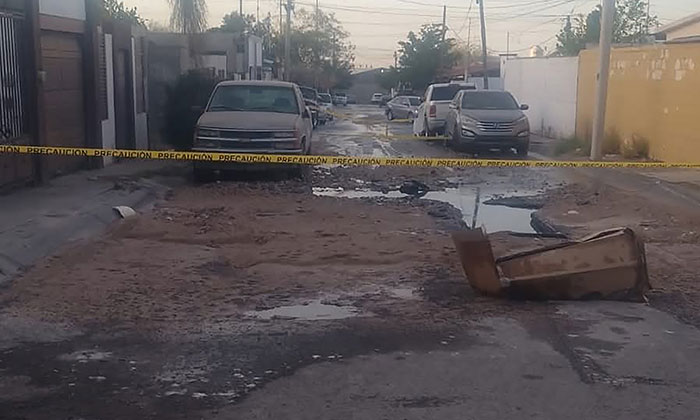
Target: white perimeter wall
<point>140,119</point>
<point>549,86</point>
<point>74,9</point>
<point>109,135</point>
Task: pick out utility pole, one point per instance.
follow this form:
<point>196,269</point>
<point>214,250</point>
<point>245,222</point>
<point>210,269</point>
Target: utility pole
<point>396,60</point>
<point>507,43</point>
<point>240,8</point>
<point>444,22</point>
<point>468,58</point>
<point>288,42</point>
<point>648,16</point>
<point>484,51</point>
<point>317,16</point>
<point>317,52</point>
<point>257,11</point>
<point>606,34</point>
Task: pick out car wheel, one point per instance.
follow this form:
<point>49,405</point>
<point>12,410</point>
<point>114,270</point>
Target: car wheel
<point>389,115</point>
<point>428,133</point>
<point>455,138</point>
<point>202,175</point>
<point>523,150</point>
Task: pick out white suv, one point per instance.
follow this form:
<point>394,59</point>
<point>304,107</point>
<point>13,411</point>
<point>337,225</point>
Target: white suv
<point>436,107</point>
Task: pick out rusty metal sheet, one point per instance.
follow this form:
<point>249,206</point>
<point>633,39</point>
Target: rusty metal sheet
<point>477,259</point>
<point>608,265</point>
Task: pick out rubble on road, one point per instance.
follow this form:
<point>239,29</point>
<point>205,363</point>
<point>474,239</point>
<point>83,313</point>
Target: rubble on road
<point>609,265</point>
<point>124,212</point>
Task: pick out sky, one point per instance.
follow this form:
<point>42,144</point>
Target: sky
<point>376,26</point>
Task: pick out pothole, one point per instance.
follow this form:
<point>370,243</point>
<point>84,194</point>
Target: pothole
<point>495,216</point>
<point>312,311</point>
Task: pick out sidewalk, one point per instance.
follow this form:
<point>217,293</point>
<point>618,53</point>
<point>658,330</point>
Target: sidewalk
<point>35,222</point>
<point>679,185</point>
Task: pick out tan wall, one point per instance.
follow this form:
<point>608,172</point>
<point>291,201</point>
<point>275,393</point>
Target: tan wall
<point>689,30</point>
<point>654,92</point>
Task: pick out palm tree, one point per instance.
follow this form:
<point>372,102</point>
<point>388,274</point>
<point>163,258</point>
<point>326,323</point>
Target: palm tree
<point>188,16</point>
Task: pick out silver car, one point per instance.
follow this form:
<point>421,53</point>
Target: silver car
<point>403,107</point>
<point>258,117</point>
<point>488,120</point>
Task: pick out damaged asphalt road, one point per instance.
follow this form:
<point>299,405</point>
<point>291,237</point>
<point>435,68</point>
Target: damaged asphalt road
<point>341,297</point>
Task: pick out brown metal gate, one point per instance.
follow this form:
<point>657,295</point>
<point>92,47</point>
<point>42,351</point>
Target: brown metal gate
<point>64,97</point>
<point>14,169</point>
<point>12,122</point>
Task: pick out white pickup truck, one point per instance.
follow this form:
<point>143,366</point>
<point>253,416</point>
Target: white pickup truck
<point>433,112</point>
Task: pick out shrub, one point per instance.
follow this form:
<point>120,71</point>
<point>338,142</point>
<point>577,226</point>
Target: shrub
<point>635,147</point>
<point>572,144</point>
<point>191,89</point>
<point>612,143</point>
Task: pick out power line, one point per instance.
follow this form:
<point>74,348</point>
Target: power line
<point>466,17</point>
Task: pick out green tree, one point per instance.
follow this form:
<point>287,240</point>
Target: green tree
<point>188,16</point>
<point>321,55</point>
<point>631,25</point>
<point>266,31</point>
<point>235,23</point>
<point>389,78</point>
<point>425,55</point>
<point>116,10</point>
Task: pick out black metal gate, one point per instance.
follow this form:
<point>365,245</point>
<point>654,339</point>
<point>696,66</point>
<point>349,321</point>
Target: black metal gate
<point>12,122</point>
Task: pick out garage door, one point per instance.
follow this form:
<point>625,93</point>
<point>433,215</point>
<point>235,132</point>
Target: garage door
<point>64,100</point>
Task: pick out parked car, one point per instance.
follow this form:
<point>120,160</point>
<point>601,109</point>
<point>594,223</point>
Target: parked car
<point>435,108</point>
<point>488,120</point>
<point>340,99</point>
<point>326,102</point>
<point>403,107</point>
<point>252,116</point>
<point>311,100</point>
<point>377,98</point>
<point>352,99</point>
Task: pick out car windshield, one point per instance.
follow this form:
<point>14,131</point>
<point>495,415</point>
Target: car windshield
<point>415,101</point>
<point>445,93</point>
<point>308,93</point>
<point>324,98</point>
<point>254,98</point>
<point>489,100</point>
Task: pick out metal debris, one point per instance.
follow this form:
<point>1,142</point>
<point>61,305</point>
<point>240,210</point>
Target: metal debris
<point>609,265</point>
<point>124,212</point>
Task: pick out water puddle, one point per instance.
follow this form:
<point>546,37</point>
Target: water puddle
<point>404,293</point>
<point>358,193</point>
<point>313,311</point>
<point>495,218</point>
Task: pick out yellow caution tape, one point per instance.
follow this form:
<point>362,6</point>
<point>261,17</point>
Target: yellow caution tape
<point>327,160</point>
<point>408,137</point>
<point>355,117</point>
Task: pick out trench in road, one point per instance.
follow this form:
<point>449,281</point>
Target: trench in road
<point>347,138</point>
